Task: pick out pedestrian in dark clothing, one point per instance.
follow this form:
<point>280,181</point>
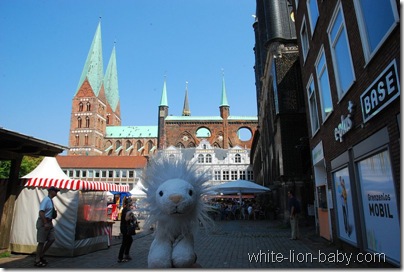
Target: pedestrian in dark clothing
<point>127,239</point>
<point>294,210</point>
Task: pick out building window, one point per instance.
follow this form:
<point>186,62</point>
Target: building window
<point>250,175</point>
<point>117,173</point>
<point>341,54</point>
<point>226,175</point>
<point>77,140</point>
<point>117,144</point>
<point>149,146</point>
<point>312,9</point>
<point>71,173</point>
<point>97,173</point>
<point>104,174</point>
<point>79,122</point>
<point>242,174</point>
<point>324,85</point>
<point>87,122</point>
<point>131,172</point>
<point>77,173</point>
<point>217,175</point>
<point>171,158</point>
<point>124,173</point>
<point>304,37</point>
<point>107,120</point>
<point>86,139</point>
<point>88,106</point>
<point>110,174</point>
<point>376,19</point>
<point>208,158</point>
<point>201,158</point>
<point>80,106</point>
<point>237,158</point>
<point>313,110</point>
<point>233,174</point>
<point>84,173</point>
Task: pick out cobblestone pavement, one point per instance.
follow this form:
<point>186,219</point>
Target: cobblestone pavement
<point>230,244</point>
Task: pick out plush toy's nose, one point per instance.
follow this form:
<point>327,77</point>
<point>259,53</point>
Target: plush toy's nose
<point>175,198</point>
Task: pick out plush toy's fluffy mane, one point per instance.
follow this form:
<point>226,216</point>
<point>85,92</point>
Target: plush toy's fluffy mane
<point>161,169</point>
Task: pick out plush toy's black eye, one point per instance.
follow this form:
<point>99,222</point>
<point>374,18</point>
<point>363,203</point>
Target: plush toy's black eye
<point>190,192</point>
<point>161,193</point>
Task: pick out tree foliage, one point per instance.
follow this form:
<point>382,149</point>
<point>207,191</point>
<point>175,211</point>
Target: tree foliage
<point>27,165</point>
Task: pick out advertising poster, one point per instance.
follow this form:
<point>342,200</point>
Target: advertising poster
<point>380,206</point>
<point>343,206</point>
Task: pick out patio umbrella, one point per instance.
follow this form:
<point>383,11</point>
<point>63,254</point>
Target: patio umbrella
<point>240,187</point>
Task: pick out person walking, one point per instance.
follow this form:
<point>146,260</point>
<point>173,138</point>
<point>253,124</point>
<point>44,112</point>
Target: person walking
<point>294,210</point>
<point>45,230</point>
<point>126,216</point>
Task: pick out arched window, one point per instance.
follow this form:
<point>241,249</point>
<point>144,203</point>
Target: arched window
<point>86,139</point>
<point>201,159</point>
<point>149,146</point>
<point>80,106</point>
<point>237,158</point>
<point>79,122</point>
<point>117,144</point>
<point>180,145</point>
<point>208,158</point>
<point>88,106</point>
<point>107,119</point>
<point>128,144</point>
<point>87,122</point>
<point>77,140</point>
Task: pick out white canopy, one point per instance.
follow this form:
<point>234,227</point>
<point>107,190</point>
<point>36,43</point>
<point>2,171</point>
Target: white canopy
<point>48,168</point>
<point>240,186</point>
<point>48,173</point>
<point>137,190</point>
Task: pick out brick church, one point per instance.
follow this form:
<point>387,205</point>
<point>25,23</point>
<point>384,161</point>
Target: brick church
<point>95,126</point>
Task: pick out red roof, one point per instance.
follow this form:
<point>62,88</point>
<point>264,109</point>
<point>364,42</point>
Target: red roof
<point>102,162</point>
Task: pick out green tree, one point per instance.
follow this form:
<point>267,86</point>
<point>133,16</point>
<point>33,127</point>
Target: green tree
<point>27,165</point>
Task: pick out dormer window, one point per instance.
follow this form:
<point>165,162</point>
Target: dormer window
<point>201,159</point>
<point>237,158</point>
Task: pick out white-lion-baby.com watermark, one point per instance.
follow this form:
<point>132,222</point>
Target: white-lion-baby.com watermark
<point>320,257</point>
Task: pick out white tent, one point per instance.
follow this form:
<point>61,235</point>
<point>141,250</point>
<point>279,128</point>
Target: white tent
<point>81,226</point>
<point>137,191</point>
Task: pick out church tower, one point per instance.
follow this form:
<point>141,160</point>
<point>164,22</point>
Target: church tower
<point>224,113</point>
<point>95,103</point>
<point>186,111</point>
<point>163,113</point>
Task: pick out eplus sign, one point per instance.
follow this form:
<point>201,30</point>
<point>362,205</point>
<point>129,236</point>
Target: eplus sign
<point>381,92</point>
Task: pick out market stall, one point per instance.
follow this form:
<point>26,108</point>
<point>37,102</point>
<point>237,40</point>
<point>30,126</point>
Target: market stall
<point>82,225</point>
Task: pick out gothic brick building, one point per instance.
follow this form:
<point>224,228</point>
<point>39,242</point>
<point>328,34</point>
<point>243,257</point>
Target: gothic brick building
<point>95,127</point>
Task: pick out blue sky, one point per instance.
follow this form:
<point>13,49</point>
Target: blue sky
<point>44,44</point>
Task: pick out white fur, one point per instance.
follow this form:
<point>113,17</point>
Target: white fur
<point>174,197</point>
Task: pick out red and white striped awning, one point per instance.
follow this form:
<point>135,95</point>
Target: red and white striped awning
<point>74,184</point>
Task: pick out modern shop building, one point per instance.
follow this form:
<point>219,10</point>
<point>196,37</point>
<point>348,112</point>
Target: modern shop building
<point>350,65</point>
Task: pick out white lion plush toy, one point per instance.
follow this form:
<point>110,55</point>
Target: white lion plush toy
<point>174,197</point>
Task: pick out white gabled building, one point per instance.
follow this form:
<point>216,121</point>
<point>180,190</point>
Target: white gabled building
<point>223,165</point>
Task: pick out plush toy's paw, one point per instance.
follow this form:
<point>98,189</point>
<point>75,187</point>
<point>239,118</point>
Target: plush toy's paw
<point>183,254</point>
<point>160,254</point>
<point>184,261</point>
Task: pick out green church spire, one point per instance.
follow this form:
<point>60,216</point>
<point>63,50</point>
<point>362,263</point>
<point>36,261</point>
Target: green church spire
<point>163,101</point>
<point>111,82</point>
<point>93,67</point>
<point>223,102</point>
